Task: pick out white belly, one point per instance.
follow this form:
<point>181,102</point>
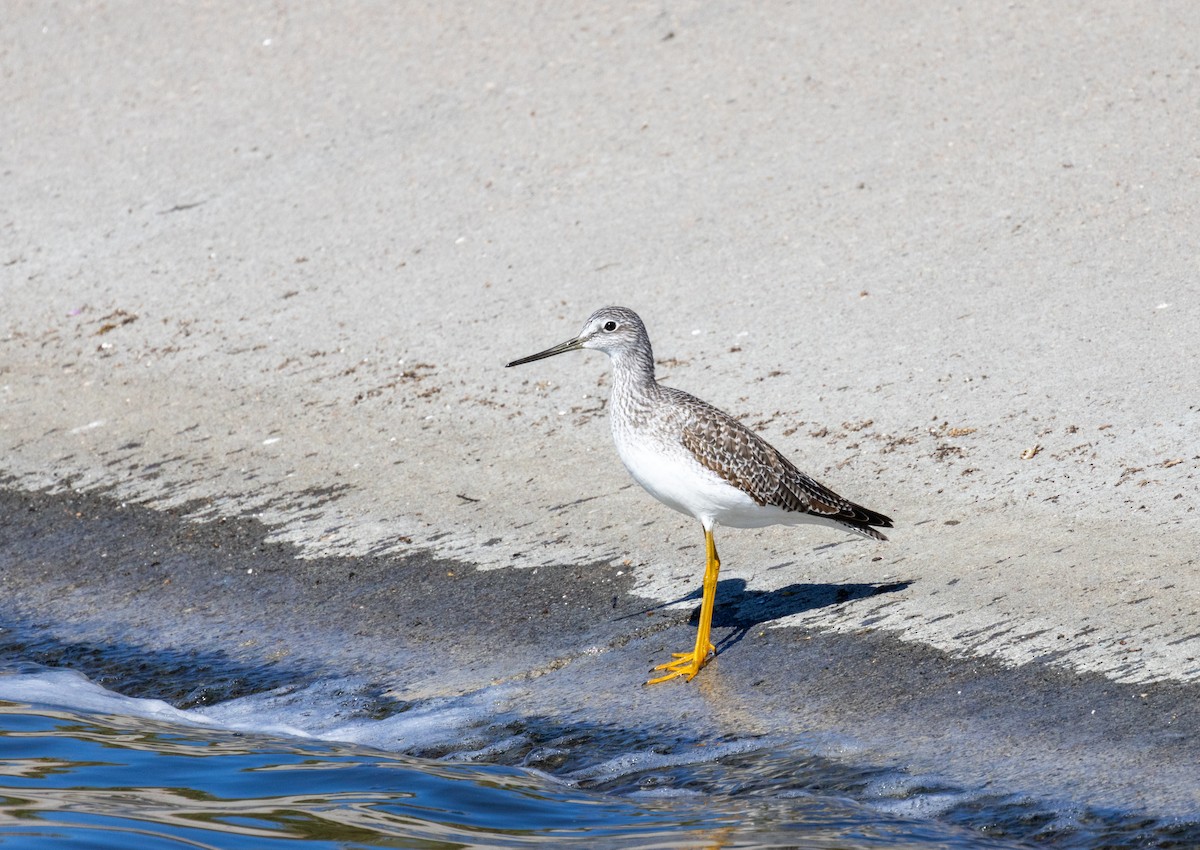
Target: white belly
<point>677,480</point>
<point>674,477</point>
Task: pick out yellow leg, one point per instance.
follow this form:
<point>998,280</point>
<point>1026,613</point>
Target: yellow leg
<point>689,663</point>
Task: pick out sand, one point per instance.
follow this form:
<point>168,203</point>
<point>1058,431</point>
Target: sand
<point>268,262</point>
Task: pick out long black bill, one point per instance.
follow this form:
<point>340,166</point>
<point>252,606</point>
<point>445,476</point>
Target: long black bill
<point>569,345</point>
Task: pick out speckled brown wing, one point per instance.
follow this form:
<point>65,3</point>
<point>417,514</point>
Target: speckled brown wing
<point>749,462</point>
<point>824,502</point>
<point>733,451</point>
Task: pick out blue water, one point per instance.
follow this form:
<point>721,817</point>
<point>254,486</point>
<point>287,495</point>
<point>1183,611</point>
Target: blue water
<point>154,777</point>
<point>113,782</point>
<point>320,765</point>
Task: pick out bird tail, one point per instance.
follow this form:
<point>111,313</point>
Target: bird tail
<point>864,522</point>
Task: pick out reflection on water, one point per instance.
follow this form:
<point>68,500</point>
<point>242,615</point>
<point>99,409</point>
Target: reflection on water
<point>327,764</point>
<point>70,779</point>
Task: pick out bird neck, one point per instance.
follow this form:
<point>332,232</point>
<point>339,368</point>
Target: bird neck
<point>633,369</point>
<point>634,365</point>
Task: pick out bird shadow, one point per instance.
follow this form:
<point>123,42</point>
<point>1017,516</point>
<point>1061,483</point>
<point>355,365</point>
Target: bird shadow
<point>740,608</point>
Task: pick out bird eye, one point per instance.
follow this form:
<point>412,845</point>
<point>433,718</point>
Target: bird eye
<point>610,326</point>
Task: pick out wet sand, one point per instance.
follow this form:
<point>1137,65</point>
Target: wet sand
<point>201,612</point>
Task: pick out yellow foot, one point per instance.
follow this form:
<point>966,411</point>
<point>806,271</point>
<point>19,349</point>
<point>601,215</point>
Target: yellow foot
<point>685,664</point>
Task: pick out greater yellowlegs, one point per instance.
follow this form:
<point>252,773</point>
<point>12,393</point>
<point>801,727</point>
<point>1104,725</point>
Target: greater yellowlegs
<point>701,462</point>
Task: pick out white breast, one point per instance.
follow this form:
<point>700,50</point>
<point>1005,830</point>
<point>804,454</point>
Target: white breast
<point>672,475</point>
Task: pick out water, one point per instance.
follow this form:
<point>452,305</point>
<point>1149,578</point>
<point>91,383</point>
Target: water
<point>290,752</point>
<point>332,764</point>
<point>84,767</point>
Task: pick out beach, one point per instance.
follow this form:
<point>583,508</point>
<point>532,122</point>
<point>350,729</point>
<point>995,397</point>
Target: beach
<point>262,268</point>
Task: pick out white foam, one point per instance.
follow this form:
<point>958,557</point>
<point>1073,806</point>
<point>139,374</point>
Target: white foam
<point>66,689</point>
<point>329,710</point>
<point>332,710</point>
<point>636,762</point>
<point>911,796</point>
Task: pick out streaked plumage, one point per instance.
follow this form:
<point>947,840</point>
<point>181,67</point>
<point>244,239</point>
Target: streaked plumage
<point>701,461</point>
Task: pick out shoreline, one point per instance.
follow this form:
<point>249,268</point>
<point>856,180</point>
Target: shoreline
<point>263,266</point>
<point>568,647</point>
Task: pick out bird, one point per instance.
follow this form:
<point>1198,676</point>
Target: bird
<point>702,462</point>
